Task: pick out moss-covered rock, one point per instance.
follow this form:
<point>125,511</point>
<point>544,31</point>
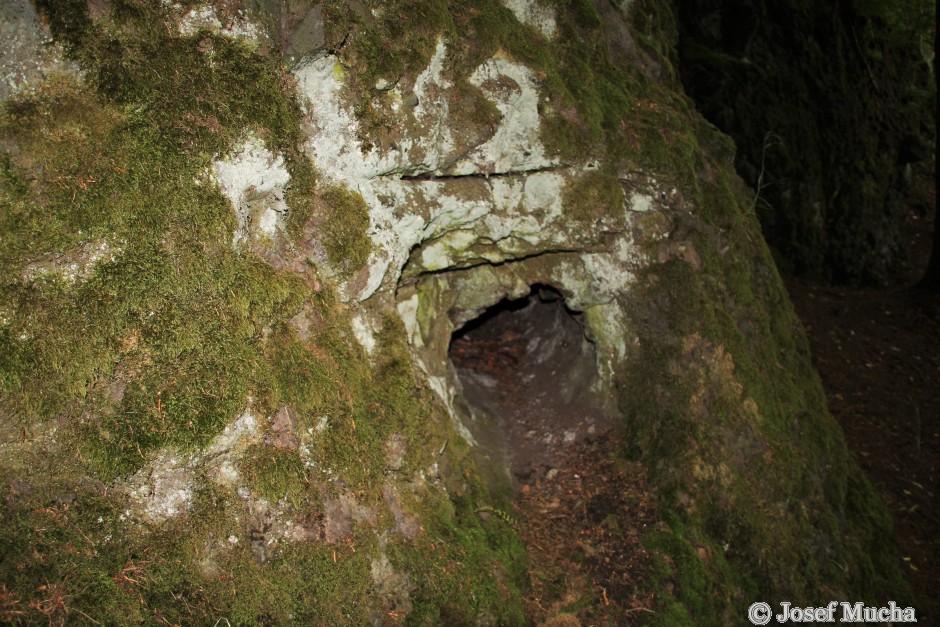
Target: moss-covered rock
<point>228,281</point>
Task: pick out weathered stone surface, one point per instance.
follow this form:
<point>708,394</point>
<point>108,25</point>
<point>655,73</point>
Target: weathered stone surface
<point>308,36</point>
<point>534,13</point>
<point>28,55</point>
<point>253,180</point>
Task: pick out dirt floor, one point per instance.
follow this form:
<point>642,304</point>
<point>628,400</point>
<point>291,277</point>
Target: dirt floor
<point>579,509</point>
<point>878,353</point>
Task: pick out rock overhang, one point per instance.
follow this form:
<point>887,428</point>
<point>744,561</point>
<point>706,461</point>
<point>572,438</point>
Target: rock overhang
<point>433,206</point>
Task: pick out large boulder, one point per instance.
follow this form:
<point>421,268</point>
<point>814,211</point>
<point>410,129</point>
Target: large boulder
<point>235,248</point>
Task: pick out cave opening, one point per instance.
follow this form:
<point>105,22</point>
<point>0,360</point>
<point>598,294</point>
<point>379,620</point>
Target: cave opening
<point>528,369</point>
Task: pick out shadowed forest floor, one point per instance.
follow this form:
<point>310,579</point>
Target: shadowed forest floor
<point>878,354</point>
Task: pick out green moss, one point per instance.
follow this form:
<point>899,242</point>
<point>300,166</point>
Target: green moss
<point>300,195</point>
<point>589,101</point>
<point>189,355</point>
<point>364,402</point>
<point>304,379</point>
<point>398,396</point>
<point>67,553</point>
<point>590,97</point>
<point>403,37</point>
<point>655,26</point>
<point>51,556</point>
<point>582,12</point>
<point>586,95</point>
<point>696,568</point>
<point>347,241</point>
<point>593,198</point>
<point>466,570</point>
<point>161,338</point>
<point>273,473</point>
<point>305,585</point>
<point>735,356</point>
<point>192,88</point>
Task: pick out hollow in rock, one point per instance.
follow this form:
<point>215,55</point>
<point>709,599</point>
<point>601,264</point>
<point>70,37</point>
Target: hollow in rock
<point>528,368</point>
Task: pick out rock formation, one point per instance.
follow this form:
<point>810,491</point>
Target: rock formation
<point>237,242</point>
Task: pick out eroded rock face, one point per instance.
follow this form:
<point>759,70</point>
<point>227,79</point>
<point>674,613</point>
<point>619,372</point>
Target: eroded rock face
<point>429,201</point>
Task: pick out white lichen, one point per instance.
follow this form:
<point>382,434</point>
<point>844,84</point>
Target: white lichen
<point>437,256</point>
<point>362,329</point>
<point>29,54</point>
<point>433,112</point>
<point>607,325</point>
<point>534,13</point>
<point>516,145</point>
<point>640,203</point>
<point>76,264</point>
<point>333,141</point>
<point>610,271</point>
<point>408,312</point>
<point>447,393</point>
<point>163,488</point>
<point>206,18</point>
<point>221,454</point>
<point>254,179</point>
<point>405,214</point>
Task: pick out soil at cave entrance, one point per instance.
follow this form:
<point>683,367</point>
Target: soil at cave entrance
<point>528,367</point>
<point>579,509</point>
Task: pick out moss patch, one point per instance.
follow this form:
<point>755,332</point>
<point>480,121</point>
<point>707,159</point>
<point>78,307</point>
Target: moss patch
<point>274,473</point>
<point>347,244</point>
<point>594,198</point>
<point>466,568</point>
